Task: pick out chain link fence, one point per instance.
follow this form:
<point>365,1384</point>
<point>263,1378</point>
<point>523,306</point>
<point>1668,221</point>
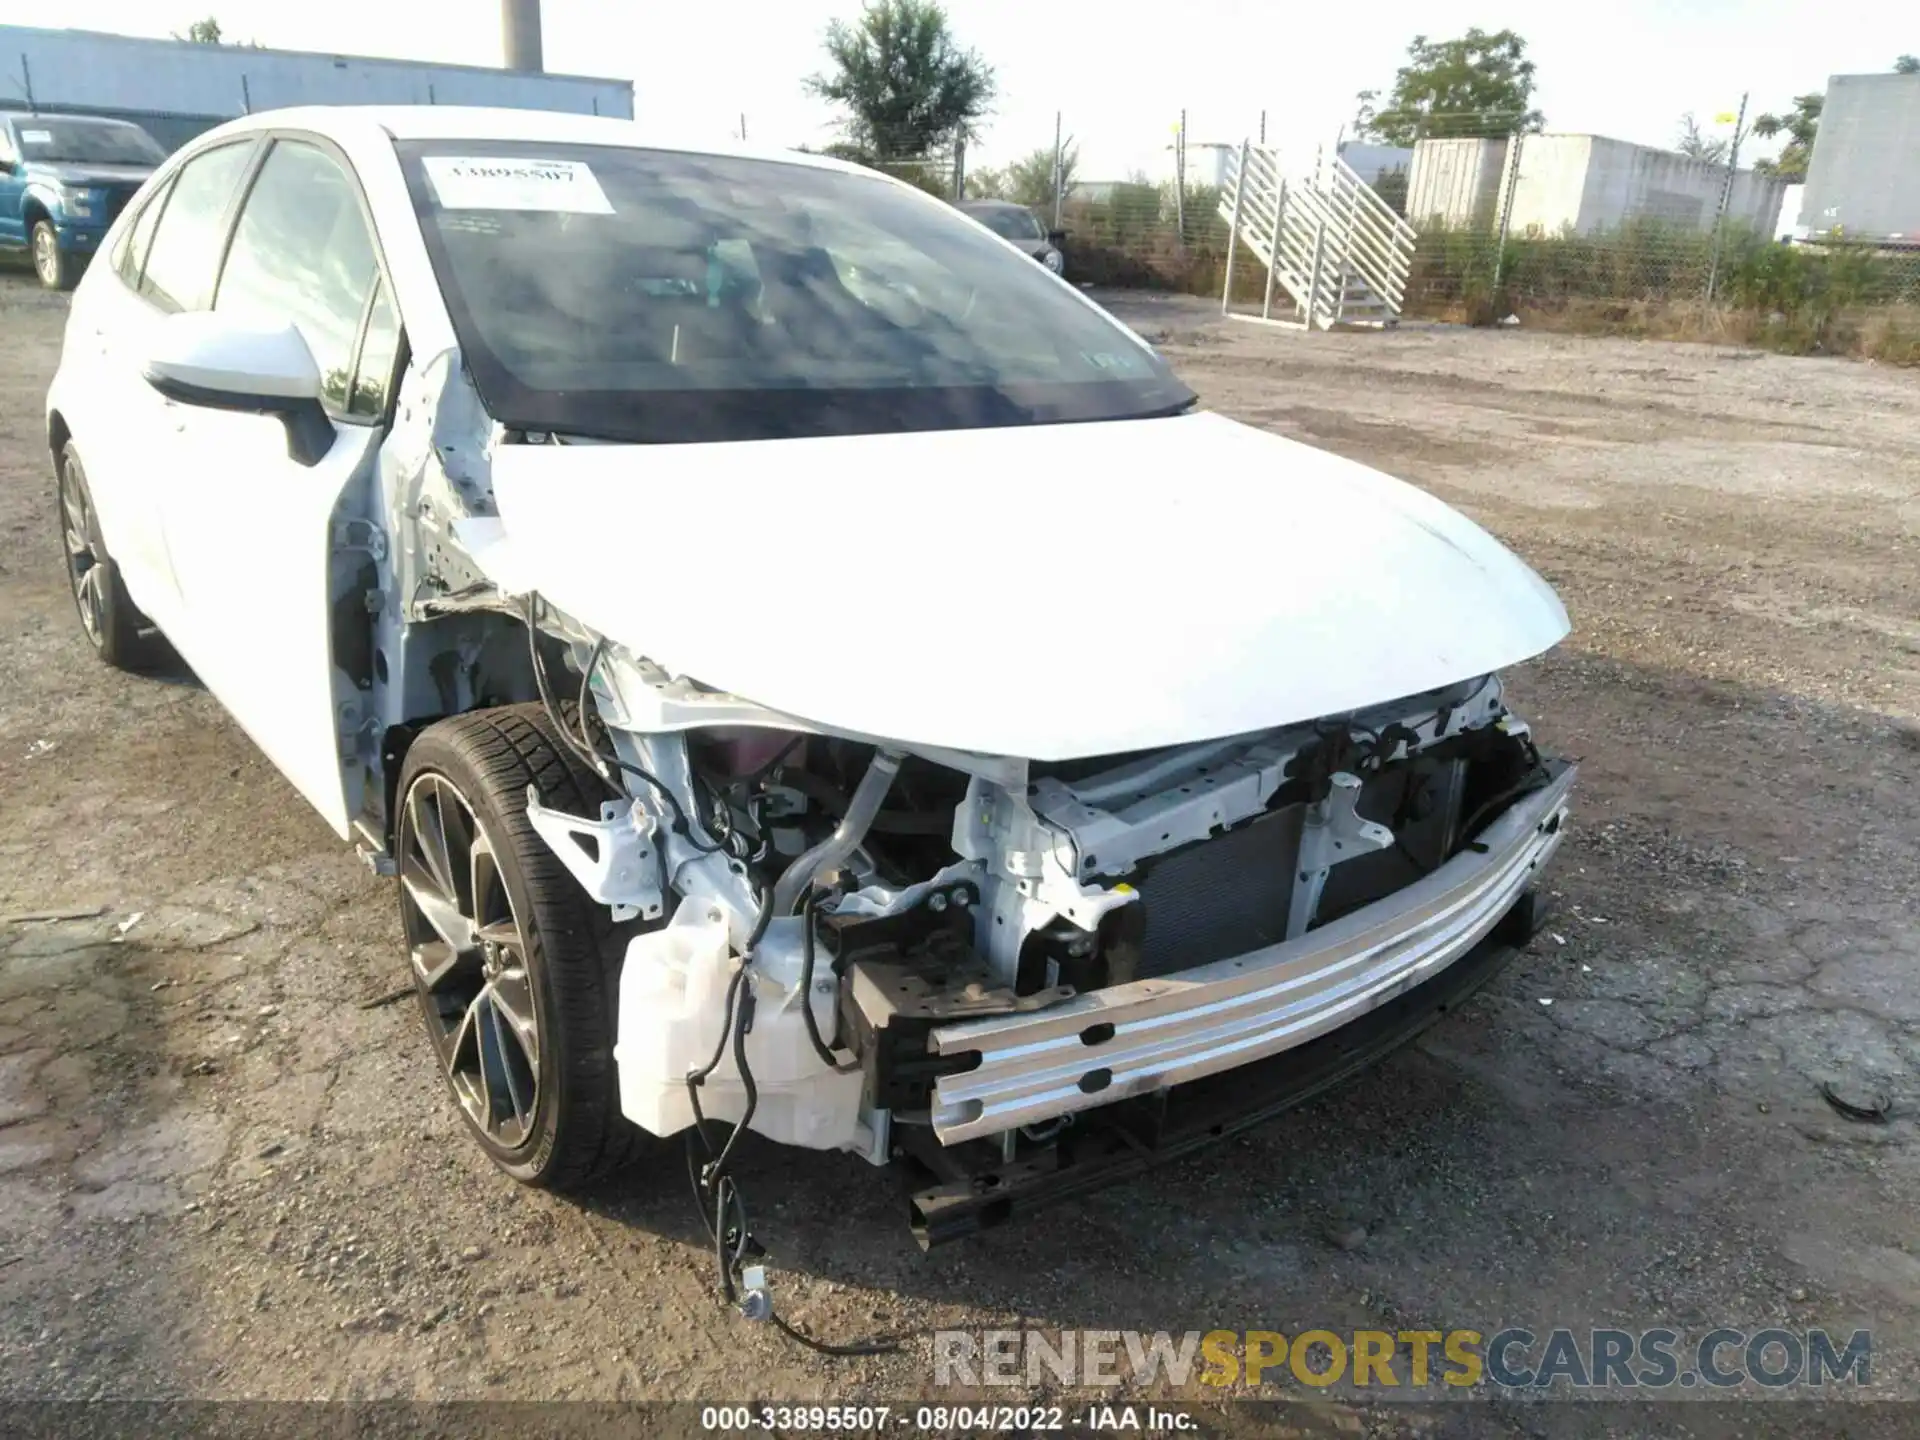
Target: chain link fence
<point>1557,231</point>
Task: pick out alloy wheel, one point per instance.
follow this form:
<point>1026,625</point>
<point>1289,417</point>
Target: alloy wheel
<point>46,256</point>
<point>469,956</point>
<point>83,560</point>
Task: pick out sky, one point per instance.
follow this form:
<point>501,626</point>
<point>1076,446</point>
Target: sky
<point>1118,75</point>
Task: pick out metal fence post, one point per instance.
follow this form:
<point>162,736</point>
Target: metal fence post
<point>1180,181</point>
<point>1059,171</point>
<point>246,96</point>
<point>26,80</point>
<point>1726,199</point>
<point>959,168</point>
<point>1233,226</point>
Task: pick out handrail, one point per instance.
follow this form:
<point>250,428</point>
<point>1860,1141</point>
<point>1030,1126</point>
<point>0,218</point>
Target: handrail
<point>1331,234</point>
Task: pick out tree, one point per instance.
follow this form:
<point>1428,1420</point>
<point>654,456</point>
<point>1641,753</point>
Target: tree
<point>1030,179</point>
<point>1799,125</point>
<point>1480,84</point>
<point>202,32</point>
<point>1696,144</point>
<point>908,87</point>
<point>1391,186</point>
<point>1907,65</point>
<point>986,184</point>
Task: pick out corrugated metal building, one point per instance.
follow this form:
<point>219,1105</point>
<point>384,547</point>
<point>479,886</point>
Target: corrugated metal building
<point>1582,183</point>
<point>176,89</point>
<point>1864,177</point>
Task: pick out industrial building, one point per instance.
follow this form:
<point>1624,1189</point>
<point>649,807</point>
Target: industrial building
<point>1579,184</point>
<point>1374,163</point>
<point>175,89</point>
<point>1864,177</point>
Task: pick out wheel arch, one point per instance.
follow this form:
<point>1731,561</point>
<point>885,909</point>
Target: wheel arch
<point>58,434</point>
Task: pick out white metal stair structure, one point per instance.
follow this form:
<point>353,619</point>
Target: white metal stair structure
<point>1334,246</point>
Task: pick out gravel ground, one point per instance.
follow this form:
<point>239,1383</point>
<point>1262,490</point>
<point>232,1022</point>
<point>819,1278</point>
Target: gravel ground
<point>224,1174</point>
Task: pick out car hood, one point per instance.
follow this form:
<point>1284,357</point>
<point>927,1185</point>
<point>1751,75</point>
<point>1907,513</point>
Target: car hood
<point>1046,592</point>
<point>77,174</point>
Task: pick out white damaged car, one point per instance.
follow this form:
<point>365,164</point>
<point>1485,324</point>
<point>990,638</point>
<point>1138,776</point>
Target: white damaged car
<point>804,664</point>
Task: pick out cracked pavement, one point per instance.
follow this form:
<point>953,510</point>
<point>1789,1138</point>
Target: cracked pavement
<point>227,1168</point>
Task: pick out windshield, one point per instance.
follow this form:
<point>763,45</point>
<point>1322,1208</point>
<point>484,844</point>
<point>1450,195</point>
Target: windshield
<point>1010,223</point>
<point>86,142</point>
<point>652,295</point>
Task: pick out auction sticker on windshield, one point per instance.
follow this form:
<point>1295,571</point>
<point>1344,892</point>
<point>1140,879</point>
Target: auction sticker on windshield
<point>36,137</point>
<point>473,182</point>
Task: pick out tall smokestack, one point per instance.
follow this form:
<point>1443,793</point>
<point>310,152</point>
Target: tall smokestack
<point>520,33</point>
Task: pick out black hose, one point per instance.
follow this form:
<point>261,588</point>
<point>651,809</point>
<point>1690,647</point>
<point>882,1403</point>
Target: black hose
<point>742,1023</point>
<point>582,744</point>
<point>726,1221</point>
<point>820,1046</point>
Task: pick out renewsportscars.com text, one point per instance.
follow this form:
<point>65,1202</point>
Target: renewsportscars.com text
<point>1514,1358</point>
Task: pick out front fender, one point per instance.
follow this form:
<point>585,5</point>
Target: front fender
<point>40,199</point>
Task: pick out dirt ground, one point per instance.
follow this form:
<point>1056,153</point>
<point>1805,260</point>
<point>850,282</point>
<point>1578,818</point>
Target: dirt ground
<point>224,1175</point>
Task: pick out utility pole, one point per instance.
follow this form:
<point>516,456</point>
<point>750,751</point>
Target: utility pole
<point>1263,127</point>
<point>743,127</point>
<point>1726,198</point>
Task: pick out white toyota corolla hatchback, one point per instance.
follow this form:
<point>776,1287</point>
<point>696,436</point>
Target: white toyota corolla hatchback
<point>805,664</point>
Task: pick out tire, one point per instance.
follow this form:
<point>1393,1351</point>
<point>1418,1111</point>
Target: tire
<point>537,948</point>
<point>112,623</point>
<point>54,267</point>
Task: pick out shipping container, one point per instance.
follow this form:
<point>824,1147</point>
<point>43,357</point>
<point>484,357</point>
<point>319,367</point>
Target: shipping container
<point>1581,184</point>
<point>1864,178</point>
<point>175,88</point>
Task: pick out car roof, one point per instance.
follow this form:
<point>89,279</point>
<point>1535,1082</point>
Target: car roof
<point>994,205</point>
<point>498,123</point>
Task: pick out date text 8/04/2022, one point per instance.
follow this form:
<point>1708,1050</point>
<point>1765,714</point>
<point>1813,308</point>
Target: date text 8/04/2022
<point>944,1419</point>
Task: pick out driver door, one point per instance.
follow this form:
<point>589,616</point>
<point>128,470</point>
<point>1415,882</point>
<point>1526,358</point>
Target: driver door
<point>248,527</point>
<point>13,184</point>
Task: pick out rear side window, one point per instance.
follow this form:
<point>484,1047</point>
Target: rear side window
<point>302,253</point>
<point>131,257</point>
<point>185,252</point>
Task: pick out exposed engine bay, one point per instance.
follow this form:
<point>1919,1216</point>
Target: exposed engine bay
<point>823,920</point>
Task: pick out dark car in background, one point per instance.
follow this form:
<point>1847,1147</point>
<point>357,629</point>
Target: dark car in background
<point>63,180</point>
<point>1021,226</point>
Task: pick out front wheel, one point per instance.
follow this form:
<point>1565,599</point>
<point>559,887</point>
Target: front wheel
<point>515,967</point>
<point>113,624</point>
<point>54,267</point>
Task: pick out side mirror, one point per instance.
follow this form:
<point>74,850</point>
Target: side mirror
<point>1057,239</point>
<point>200,358</point>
